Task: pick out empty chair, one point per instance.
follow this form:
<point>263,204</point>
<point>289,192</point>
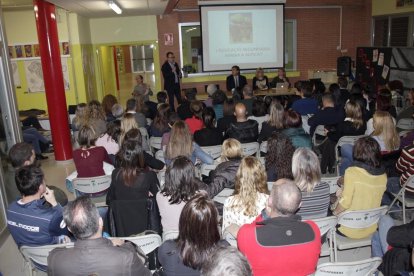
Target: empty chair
<point>327,227</point>
<point>358,268</point>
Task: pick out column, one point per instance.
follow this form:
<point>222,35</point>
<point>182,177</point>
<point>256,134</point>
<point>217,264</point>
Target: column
<point>53,78</point>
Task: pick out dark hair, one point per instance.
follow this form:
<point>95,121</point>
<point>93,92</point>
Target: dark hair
<point>228,107</point>
<point>81,217</point>
<point>319,87</point>
<point>306,89</point>
<point>356,89</point>
<point>161,97</point>
<point>384,100</point>
<point>28,179</point>
<point>298,85</point>
<point>180,180</point>
<point>235,67</point>
<point>190,94</point>
<point>173,118</point>
<point>161,119</point>
<point>292,119</point>
<point>368,151</point>
<point>131,161</point>
<point>114,130</point>
<point>169,53</point>
<point>209,117</point>
<point>336,92</point>
<point>131,104</point>
<point>219,97</point>
<point>133,134</point>
<point>342,82</point>
<point>196,108</point>
<point>198,231</point>
<point>279,155</point>
<point>397,86</point>
<point>259,108</point>
<point>20,153</point>
<point>107,102</point>
<point>87,136</point>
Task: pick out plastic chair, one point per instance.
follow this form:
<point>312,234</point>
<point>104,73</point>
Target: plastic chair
<point>36,256</point>
<point>327,226</point>
<point>405,123</point>
<point>343,141</point>
<point>206,169</point>
<point>213,151</point>
<point>221,197</point>
<point>91,186</point>
<point>263,147</point>
<point>161,178</point>
<point>147,243</point>
<point>251,149</point>
<point>169,235</point>
<point>155,144</point>
<point>160,155</point>
<point>400,196</point>
<point>358,220</point>
<point>305,124</point>
<point>320,130</point>
<point>358,268</point>
<point>332,181</point>
<point>230,238</point>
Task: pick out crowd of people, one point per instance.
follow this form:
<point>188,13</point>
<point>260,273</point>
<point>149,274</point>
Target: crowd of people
<point>274,228</point>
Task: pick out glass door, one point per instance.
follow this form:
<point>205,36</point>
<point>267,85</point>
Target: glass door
<point>142,58</point>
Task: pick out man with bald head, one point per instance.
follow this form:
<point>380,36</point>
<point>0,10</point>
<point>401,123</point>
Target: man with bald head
<point>281,244</point>
<point>243,130</point>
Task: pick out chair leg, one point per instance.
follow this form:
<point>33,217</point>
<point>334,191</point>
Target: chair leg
<point>403,203</point>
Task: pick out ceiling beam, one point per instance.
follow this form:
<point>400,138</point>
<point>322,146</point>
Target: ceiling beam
<point>171,6</point>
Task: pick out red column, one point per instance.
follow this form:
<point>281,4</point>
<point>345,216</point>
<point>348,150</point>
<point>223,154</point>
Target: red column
<point>53,77</point>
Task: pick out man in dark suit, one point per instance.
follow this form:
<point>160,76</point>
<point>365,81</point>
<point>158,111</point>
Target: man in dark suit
<point>172,75</point>
<point>235,80</point>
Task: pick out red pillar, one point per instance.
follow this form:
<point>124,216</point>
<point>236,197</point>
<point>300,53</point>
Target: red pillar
<point>53,77</point>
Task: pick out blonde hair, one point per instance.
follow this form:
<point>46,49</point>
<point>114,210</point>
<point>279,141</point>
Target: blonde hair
<point>81,115</point>
<point>96,111</point>
<point>181,142</point>
<point>128,122</point>
<point>353,111</point>
<point>250,178</point>
<point>306,169</point>
<point>385,128</point>
<point>230,149</point>
<point>276,112</point>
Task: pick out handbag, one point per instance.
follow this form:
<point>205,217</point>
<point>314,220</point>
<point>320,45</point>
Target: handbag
<point>154,218</point>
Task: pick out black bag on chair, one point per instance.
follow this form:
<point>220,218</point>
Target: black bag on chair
<point>154,217</point>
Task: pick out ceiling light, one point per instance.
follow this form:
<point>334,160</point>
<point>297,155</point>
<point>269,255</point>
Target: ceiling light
<point>114,7</point>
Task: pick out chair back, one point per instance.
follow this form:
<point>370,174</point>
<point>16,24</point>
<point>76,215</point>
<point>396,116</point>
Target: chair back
<point>305,124</point>
<point>161,178</point>
<point>213,151</point>
<point>155,143</point>
<point>160,155</point>
<point>320,130</point>
<point>332,181</point>
<point>250,148</point>
<point>147,243</point>
<point>145,139</point>
<point>358,268</point>
<point>39,254</point>
<point>410,182</point>
<point>230,238</point>
<point>405,123</point>
<point>169,235</point>
<point>263,147</point>
<point>92,185</point>
<point>362,218</point>
<point>326,224</point>
<point>348,140</point>
<point>225,193</point>
<point>206,168</point>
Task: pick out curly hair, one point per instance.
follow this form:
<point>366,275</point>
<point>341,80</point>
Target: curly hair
<point>279,155</point>
<point>95,110</point>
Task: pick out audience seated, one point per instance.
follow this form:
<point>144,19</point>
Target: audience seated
<point>384,102</point>
<point>209,135</point>
<point>183,110</point>
<point>96,117</point>
<point>407,112</point>
<point>260,81</point>
<point>142,108</point>
<point>195,122</point>
<point>180,185</point>
<point>107,103</point>
<point>228,117</point>
<point>81,117</point>
<point>219,99</point>
<point>40,144</point>
<point>380,107</point>
<point>117,111</point>
<point>248,99</point>
<point>92,254</point>
<point>306,105</point>
<point>281,244</point>
<point>243,130</point>
<point>280,78</point>
<point>128,122</point>
<point>278,160</point>
<point>226,261</point>
<point>159,125</point>
<point>211,89</point>
<point>235,80</point>
<point>250,194</point>
<point>344,94</point>
<point>198,237</point>
<point>259,112</point>
<point>293,129</point>
<point>274,122</point>
<point>110,139</point>
<point>364,185</point>
<point>131,108</point>
<point>307,176</point>
<point>166,136</point>
<point>162,98</point>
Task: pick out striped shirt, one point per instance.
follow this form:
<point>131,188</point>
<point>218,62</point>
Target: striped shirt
<point>315,204</point>
<point>405,165</point>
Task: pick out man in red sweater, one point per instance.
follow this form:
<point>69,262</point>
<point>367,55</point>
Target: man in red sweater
<point>281,244</point>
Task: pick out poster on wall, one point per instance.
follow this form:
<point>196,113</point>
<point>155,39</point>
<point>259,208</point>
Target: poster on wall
<point>168,39</point>
<point>34,75</point>
<point>404,3</point>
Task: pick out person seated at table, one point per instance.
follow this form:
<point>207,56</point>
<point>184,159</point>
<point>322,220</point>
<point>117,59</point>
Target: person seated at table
<point>37,140</point>
<point>243,130</point>
<point>209,135</point>
<point>306,105</point>
<point>280,78</point>
<point>260,81</point>
<point>235,80</point>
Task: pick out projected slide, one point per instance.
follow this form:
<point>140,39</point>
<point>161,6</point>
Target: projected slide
<point>248,36</point>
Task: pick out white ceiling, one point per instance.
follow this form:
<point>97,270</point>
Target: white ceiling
<point>97,8</point>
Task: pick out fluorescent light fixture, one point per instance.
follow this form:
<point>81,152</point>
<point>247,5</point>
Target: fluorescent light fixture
<point>114,7</point>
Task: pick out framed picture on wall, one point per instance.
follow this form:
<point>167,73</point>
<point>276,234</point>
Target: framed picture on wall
<point>404,3</point>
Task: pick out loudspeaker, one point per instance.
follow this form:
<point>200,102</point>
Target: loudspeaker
<point>343,66</point>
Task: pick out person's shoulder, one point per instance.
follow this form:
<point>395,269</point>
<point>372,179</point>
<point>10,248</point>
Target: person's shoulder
<point>168,247</point>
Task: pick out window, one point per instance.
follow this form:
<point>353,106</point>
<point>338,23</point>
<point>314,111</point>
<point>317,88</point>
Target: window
<point>399,31</point>
<point>142,58</point>
<point>381,32</point>
<point>191,46</point>
<point>393,31</point>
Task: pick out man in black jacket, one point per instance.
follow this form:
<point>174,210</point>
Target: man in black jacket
<point>235,80</point>
<point>243,130</point>
<point>172,75</point>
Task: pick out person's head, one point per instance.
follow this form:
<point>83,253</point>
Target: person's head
<point>219,97</point>
<point>114,130</point>
<point>333,88</point>
<point>298,85</point>
<point>353,112</point>
<point>162,97</point>
<point>285,198</point>
<point>228,107</point>
<point>227,261</point>
<point>209,117</point>
<point>131,104</point>
<point>356,89</point>
<point>128,122</point>
<point>336,92</point>
<point>108,102</point>
<point>170,57</point>
<point>82,110</point>
<point>318,87</point>
<point>87,137</point>
<point>279,155</point>
<point>231,149</point>
<point>22,154</point>
<point>259,108</point>
<point>259,73</point>
<point>276,114</point>
<point>139,79</point>
<point>397,86</point>
<point>117,111</point>
<point>211,89</point>
<point>162,116</point>
<point>190,94</point>
<point>30,180</point>
<point>180,180</point>
<point>247,92</point>
<point>384,100</point>
<point>328,100</point>
<point>131,161</point>
<point>173,118</point>
<point>368,151</point>
<point>140,103</point>
<point>292,119</point>
<point>96,110</point>
<point>235,70</point>
<point>306,89</point>
<point>196,108</point>
<point>281,73</point>
<point>343,82</point>
<point>133,135</point>
<point>306,169</point>
<point>82,218</point>
<point>240,112</point>
<point>250,178</point>
<point>384,127</point>
<point>181,142</point>
<point>198,231</point>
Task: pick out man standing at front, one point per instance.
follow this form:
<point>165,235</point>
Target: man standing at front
<point>281,244</point>
<point>172,75</point>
